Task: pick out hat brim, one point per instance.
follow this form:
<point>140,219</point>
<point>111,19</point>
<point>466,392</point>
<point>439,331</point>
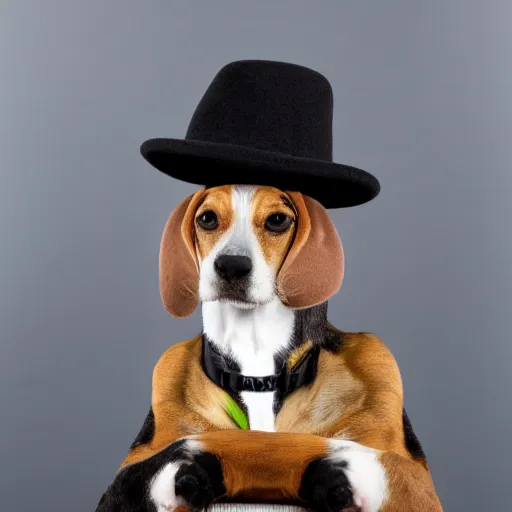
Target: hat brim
<point>212,164</point>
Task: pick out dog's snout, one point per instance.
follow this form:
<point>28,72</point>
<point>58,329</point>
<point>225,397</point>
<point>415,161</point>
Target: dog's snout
<point>231,268</point>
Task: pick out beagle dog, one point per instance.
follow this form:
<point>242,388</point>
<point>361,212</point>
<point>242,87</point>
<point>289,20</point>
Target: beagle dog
<point>270,403</point>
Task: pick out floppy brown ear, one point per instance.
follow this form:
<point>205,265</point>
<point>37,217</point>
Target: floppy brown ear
<point>312,271</point>
<point>179,269</point>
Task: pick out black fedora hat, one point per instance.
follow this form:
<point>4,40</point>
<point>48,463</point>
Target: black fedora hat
<point>264,123</point>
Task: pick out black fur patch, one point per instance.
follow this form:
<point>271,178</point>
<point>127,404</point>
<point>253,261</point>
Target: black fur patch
<point>412,442</point>
<point>309,324</point>
<point>129,491</point>
<point>325,486</point>
<point>147,432</point>
<point>333,339</point>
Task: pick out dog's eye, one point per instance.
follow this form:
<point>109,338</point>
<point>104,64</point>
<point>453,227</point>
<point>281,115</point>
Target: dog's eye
<point>208,220</point>
<point>278,222</point>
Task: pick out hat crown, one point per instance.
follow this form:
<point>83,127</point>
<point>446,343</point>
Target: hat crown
<point>267,105</point>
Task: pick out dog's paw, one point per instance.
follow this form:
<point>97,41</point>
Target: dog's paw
<point>192,481</point>
<point>350,477</point>
<point>325,486</point>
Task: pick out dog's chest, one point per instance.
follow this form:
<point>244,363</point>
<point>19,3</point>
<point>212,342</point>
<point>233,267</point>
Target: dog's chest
<point>260,405</point>
<point>252,338</point>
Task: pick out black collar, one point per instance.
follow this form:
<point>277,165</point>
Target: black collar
<point>285,381</point>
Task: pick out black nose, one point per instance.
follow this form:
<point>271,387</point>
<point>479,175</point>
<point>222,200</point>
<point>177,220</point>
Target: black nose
<point>232,267</point>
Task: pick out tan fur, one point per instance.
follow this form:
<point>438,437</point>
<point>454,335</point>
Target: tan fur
<point>297,354</point>
<point>357,394</point>
<point>218,200</point>
<point>409,487</point>
<point>184,400</point>
<point>290,454</point>
<point>267,201</point>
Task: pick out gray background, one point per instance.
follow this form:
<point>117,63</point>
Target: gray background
<point>422,100</point>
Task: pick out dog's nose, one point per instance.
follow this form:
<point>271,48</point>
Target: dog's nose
<point>231,268</point>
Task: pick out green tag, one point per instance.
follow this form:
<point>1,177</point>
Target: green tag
<point>236,413</point>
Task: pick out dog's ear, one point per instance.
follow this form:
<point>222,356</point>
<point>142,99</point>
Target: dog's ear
<point>313,269</point>
<point>179,268</point>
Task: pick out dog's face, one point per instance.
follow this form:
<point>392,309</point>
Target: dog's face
<point>242,237</point>
<point>246,245</point>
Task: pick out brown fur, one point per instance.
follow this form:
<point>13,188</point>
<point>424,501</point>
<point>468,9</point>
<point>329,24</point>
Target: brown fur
<point>408,485</point>
<point>217,199</point>
<point>269,200</point>
<point>179,272</point>
<point>357,394</point>
<point>276,482</point>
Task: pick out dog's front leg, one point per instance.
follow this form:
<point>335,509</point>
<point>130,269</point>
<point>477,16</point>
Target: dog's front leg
<point>182,474</point>
<point>319,473</point>
<point>301,469</point>
<point>191,473</point>
<point>225,465</point>
<point>250,466</point>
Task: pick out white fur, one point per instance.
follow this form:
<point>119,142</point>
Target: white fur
<point>364,472</point>
<point>241,240</point>
<point>251,338</point>
<point>161,487</point>
<point>249,333</point>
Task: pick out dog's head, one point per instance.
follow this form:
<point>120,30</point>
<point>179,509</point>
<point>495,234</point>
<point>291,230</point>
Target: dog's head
<point>246,245</point>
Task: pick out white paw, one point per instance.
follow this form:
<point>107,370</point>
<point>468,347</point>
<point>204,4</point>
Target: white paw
<point>365,473</point>
<point>162,488</point>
